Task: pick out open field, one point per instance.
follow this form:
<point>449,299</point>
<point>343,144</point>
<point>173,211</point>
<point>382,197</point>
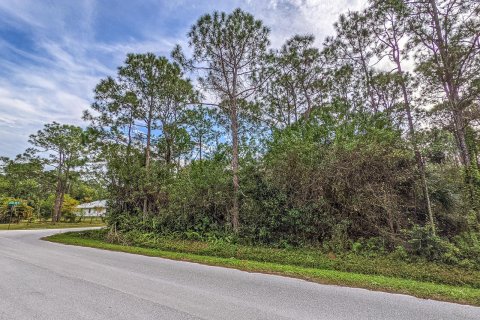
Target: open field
<point>419,280</point>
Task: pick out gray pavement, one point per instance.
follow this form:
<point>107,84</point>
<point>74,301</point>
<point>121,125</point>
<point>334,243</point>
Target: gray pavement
<point>43,280</point>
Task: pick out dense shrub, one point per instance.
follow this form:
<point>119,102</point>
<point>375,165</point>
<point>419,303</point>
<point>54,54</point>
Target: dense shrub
<point>340,186</point>
<point>423,243</point>
<point>322,182</point>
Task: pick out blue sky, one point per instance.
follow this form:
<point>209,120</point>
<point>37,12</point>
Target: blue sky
<point>53,52</point>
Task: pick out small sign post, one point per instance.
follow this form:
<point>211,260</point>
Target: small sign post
<point>12,205</point>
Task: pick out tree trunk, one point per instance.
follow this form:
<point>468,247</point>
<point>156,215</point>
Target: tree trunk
<point>147,148</point>
<point>236,185</point>
<point>58,201</point>
<point>59,213</point>
<point>451,90</point>
<point>64,188</point>
<point>418,155</point>
<point>459,122</point>
<point>168,152</point>
<point>200,146</point>
<point>459,128</point>
<point>147,163</point>
<point>57,207</point>
<point>129,144</point>
<point>309,103</point>
<point>59,196</point>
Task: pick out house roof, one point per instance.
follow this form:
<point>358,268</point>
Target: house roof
<point>94,204</point>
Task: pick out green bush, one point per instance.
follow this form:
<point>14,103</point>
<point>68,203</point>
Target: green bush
<point>468,244</point>
<point>339,181</point>
<point>423,243</point>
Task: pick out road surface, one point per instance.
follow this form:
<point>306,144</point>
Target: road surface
<point>43,280</point>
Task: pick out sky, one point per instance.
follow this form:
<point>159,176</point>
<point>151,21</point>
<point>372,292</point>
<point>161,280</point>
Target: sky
<point>54,52</point>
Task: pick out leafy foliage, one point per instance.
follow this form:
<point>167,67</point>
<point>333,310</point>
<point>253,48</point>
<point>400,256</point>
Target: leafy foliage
<point>343,148</point>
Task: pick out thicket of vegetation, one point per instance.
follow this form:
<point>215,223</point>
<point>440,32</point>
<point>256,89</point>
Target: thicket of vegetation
<point>49,180</point>
<point>368,144</point>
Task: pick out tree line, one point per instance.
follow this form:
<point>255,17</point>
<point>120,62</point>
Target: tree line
<point>372,138</point>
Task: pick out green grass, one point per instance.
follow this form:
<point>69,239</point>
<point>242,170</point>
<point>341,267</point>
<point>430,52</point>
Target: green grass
<point>24,225</point>
<point>287,263</point>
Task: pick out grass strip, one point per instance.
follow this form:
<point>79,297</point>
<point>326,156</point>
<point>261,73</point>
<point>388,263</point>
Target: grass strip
<point>50,225</point>
<point>390,265</point>
<point>429,290</point>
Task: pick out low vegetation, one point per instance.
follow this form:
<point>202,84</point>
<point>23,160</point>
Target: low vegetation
<point>35,224</point>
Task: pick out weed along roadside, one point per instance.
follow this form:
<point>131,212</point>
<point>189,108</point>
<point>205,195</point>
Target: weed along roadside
<point>26,225</point>
<point>423,280</point>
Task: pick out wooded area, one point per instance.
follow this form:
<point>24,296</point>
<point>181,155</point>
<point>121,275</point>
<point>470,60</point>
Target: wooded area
<point>367,144</point>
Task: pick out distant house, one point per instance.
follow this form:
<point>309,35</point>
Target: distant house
<point>93,209</point>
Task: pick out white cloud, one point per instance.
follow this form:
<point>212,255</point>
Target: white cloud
<point>289,17</point>
<point>52,79</point>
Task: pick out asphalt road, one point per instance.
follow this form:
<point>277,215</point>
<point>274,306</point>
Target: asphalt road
<point>43,280</point>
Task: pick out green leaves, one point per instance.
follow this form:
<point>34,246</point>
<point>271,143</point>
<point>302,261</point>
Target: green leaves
<point>63,143</point>
<point>300,145</point>
<point>227,49</point>
<point>294,82</point>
